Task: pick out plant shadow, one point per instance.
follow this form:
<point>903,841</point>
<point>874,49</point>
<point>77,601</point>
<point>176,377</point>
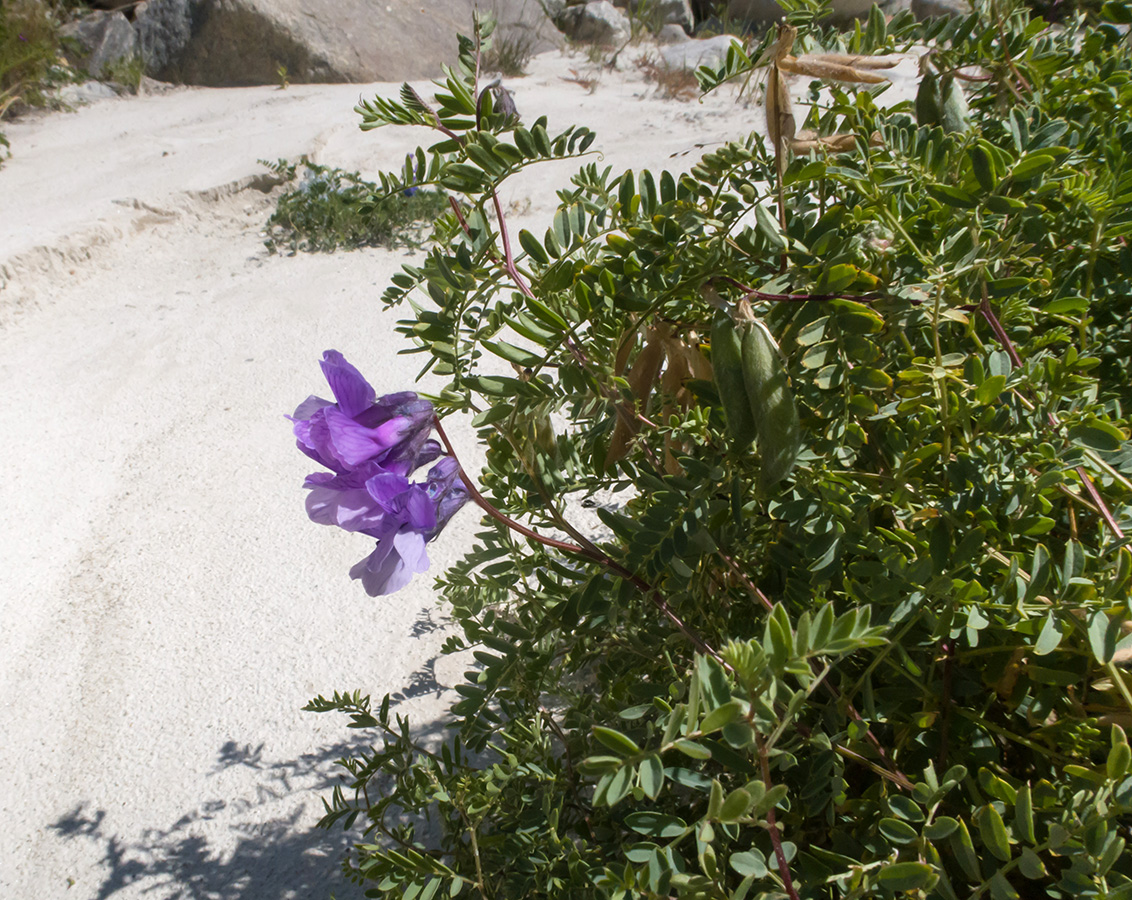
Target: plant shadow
<point>241,849</point>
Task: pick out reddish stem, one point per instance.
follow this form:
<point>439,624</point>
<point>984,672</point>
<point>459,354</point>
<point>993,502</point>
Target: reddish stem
<point>772,825</point>
<point>508,259</point>
<point>897,776</point>
<point>459,215</point>
<point>483,504</point>
<point>589,551</point>
<point>1086,480</point>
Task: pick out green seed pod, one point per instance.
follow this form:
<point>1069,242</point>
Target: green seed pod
<point>953,105</point>
<point>727,369</point>
<point>982,164</point>
<point>928,101</point>
<point>772,404</point>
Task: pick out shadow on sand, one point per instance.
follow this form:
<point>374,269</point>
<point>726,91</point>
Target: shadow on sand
<point>243,849</point>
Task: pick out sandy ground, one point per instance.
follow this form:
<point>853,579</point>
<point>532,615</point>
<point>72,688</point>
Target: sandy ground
<point>166,606</point>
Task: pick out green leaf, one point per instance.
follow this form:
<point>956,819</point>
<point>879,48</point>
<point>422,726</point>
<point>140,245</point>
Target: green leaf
<point>989,390</point>
<point>1103,635</point>
<point>768,228</point>
<point>897,831</point>
<point>656,824</point>
<point>1024,814</point>
<point>749,863</point>
<point>616,741</point>
<point>964,849</point>
<point>943,827</point>
<point>1032,165</point>
<point>1030,865</point>
<point>992,830</point>
<point>769,800</point>
<point>1000,888</point>
<point>517,355</point>
<point>533,247</point>
<point>720,716</point>
<point>837,278</point>
<point>715,800</point>
<point>735,806</point>
<point>907,876</point>
<point>651,775</point>
<point>870,379</point>
<point>951,196</point>
<point>1050,635</point>
<point>1096,434</point>
<point>619,784</point>
<point>493,414</point>
<point>692,749</point>
<point>1119,762</point>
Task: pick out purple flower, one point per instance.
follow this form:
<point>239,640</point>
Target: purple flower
<point>410,516</point>
<point>360,428</point>
<point>372,445</point>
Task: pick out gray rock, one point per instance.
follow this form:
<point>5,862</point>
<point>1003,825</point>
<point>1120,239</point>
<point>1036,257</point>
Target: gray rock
<point>103,38</point>
<point>597,22</point>
<point>164,29</point>
<point>761,12</point>
<point>696,52</point>
<point>671,34</point>
<point>245,42</point>
<point>658,13</point>
<point>85,92</point>
<point>930,9</point>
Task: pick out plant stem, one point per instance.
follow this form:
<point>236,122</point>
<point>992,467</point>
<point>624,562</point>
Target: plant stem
<point>483,504</point>
<point>508,259</point>
<point>772,825</point>
<point>749,293</point>
<point>1087,482</point>
<point>588,550</point>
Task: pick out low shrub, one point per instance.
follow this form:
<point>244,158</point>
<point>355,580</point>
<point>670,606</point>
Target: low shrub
<point>804,567</point>
<point>330,209</point>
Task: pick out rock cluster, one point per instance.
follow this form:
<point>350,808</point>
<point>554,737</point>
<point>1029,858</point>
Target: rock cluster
<point>244,42</point>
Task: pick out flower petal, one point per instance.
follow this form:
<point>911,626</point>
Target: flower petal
<point>392,564</point>
<point>387,489</point>
<point>353,393</point>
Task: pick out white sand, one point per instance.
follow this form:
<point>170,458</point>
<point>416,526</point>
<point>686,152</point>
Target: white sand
<point>166,606</point>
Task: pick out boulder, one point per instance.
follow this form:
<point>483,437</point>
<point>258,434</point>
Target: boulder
<point>696,52</point>
<point>227,43</point>
<point>762,12</point>
<point>102,39</point>
<point>164,29</point>
<point>671,34</point>
<point>931,9</point>
<point>597,22</point>
<point>658,13</point>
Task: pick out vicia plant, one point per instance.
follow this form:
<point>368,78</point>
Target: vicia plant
<point>805,569</point>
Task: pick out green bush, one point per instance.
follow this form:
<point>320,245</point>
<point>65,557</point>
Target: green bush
<point>331,209</point>
<point>876,649</point>
<point>30,64</point>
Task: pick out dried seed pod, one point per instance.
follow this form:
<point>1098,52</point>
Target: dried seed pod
<point>772,404</point>
<point>642,379</point>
